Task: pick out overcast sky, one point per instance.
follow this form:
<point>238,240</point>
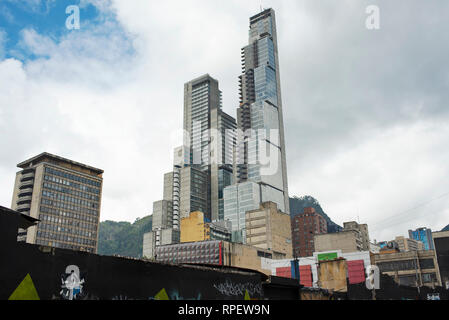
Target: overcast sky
<point>366,111</point>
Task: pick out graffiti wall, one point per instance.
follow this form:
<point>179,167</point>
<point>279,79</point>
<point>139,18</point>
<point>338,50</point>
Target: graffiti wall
<point>35,272</point>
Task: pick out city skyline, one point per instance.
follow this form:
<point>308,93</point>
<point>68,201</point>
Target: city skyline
<point>349,143</point>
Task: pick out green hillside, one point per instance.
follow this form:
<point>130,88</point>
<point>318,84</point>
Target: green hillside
<point>297,205</point>
<point>123,238</point>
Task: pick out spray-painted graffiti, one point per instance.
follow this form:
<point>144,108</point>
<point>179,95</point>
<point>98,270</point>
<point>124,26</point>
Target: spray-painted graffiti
<point>72,284</point>
<point>229,288</point>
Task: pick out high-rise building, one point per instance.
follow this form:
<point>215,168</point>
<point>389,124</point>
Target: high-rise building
<point>202,167</point>
<point>424,235</point>
<point>304,227</point>
<point>65,195</point>
<point>260,145</point>
<point>211,132</point>
<point>261,111</point>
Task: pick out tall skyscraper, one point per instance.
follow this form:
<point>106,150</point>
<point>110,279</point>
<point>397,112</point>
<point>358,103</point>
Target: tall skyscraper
<point>211,133</point>
<point>65,195</point>
<point>260,151</point>
<point>202,167</point>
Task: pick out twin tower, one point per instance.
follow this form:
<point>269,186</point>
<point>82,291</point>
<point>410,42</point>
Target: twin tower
<point>227,167</point>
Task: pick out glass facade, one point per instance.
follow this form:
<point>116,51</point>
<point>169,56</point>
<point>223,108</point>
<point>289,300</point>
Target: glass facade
<point>238,199</point>
<point>424,235</point>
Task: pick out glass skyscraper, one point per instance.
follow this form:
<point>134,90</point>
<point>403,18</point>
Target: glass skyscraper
<point>261,152</point>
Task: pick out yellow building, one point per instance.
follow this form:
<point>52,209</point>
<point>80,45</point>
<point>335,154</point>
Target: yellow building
<point>194,228</point>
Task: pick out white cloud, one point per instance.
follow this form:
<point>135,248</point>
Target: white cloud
<point>3,38</point>
<point>362,138</point>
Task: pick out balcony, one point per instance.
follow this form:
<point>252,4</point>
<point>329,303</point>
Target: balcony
<point>26,190</point>
<point>24,207</point>
<point>25,198</point>
<point>27,176</point>
<point>26,184</point>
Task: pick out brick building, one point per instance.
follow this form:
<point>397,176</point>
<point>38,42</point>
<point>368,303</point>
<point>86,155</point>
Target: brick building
<point>304,227</point>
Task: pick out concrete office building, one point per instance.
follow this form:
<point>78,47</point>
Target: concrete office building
<point>159,237</point>
<point>211,132</point>
<point>406,244</point>
<point>268,228</point>
<point>304,226</point>
<point>362,233</point>
<point>346,241</point>
<point>65,195</point>
<point>412,268</point>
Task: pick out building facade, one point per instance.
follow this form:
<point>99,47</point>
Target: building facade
<point>346,241</point>
<point>304,226</point>
<point>362,233</point>
<point>424,235</point>
<point>65,195</point>
<point>412,268</point>
<point>196,228</point>
<point>215,252</point>
<point>268,228</point>
<point>238,199</point>
<point>441,244</point>
<point>211,138</point>
<point>260,148</point>
<point>407,244</point>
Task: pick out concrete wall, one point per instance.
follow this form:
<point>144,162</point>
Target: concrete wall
<point>38,272</point>
<point>344,241</point>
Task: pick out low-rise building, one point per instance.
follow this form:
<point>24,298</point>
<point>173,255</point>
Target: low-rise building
<point>356,264</point>
<point>407,244</point>
<point>412,268</point>
<point>346,241</point>
<point>215,252</point>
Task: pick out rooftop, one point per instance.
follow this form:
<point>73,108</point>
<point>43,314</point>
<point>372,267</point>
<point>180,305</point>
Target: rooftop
<point>45,156</point>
